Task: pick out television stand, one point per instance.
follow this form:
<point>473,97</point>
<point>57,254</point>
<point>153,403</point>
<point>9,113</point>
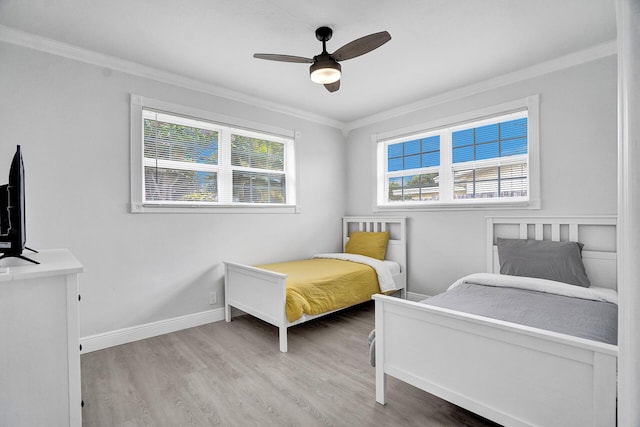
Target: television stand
<point>40,375</point>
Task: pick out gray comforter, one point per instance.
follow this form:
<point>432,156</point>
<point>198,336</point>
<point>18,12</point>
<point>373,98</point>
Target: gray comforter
<point>585,318</point>
<point>594,320</point>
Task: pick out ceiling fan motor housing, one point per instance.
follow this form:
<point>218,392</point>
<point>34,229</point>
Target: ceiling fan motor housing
<point>324,34</point>
<point>325,69</point>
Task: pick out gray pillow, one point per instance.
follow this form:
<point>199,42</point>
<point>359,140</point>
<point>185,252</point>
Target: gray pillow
<point>543,259</point>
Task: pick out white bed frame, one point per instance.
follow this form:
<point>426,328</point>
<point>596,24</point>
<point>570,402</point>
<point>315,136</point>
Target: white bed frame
<point>512,374</point>
<point>262,293</point>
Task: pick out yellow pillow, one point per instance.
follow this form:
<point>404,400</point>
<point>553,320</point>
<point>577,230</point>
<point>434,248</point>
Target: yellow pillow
<point>371,244</point>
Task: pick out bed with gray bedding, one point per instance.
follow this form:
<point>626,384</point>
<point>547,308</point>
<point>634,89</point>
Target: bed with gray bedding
<point>468,346</point>
<point>589,313</point>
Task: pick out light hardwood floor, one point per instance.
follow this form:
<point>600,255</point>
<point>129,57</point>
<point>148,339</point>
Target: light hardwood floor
<point>232,374</point>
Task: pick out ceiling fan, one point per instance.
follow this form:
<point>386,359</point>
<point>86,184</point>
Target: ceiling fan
<point>325,68</point>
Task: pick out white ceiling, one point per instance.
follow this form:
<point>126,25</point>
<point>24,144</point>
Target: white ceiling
<point>436,46</point>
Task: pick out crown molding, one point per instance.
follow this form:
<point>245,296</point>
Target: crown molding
<point>54,47</point>
<point>576,58</point>
<point>43,44</point>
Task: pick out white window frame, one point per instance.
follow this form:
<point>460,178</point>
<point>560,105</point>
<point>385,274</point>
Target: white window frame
<point>223,124</point>
<point>444,128</point>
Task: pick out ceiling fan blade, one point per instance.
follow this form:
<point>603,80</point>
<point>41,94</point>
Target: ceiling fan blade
<point>332,87</point>
<point>361,46</point>
<point>283,58</point>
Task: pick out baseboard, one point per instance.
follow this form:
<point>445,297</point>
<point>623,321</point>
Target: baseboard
<point>135,333</point>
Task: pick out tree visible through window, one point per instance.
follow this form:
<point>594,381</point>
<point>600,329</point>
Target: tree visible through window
<point>189,161</point>
<point>250,156</point>
<point>176,157</point>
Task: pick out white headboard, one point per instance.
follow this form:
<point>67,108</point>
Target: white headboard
<point>598,233</point>
<point>396,226</point>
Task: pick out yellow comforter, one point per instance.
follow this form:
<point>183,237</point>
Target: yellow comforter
<point>318,285</point>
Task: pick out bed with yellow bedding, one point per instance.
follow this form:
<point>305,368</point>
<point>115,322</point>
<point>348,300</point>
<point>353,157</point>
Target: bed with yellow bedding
<point>321,285</point>
<point>288,293</point>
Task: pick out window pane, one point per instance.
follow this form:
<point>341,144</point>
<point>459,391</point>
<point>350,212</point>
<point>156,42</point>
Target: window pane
<point>490,141</point>
<point>491,182</point>
<point>395,164</point>
<point>483,174</point>
<point>463,137</point>
<point>411,188</point>
<point>411,162</point>
<point>514,171</point>
<point>394,150</point>
<point>169,141</point>
<point>513,128</point>
<point>487,151</point>
<point>486,189</point>
<point>395,189</point>
<point>479,183</point>
<point>257,153</point>
<point>431,159</point>
<point>513,147</point>
<point>414,188</point>
<point>431,143</point>
<point>411,147</point>
<point>180,185</point>
<point>487,133</point>
<point>254,187</point>
<point>415,154</point>
<point>429,186</point>
<point>513,188</point>
<point>463,175</point>
<point>463,154</point>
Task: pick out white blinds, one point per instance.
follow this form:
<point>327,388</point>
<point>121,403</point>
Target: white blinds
<point>258,170</point>
<point>189,161</point>
<point>180,156</point>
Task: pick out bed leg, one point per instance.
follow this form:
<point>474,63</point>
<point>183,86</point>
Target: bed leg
<point>381,384</point>
<point>283,339</point>
<point>381,380</point>
<point>227,312</point>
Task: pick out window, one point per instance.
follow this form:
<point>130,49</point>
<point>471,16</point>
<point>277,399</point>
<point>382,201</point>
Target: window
<point>490,160</point>
<point>186,159</point>
<point>413,169</point>
<point>488,157</point>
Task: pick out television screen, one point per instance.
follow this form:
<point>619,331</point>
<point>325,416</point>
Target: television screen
<point>13,236</point>
<point>4,211</point>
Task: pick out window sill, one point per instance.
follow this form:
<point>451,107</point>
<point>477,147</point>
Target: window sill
<point>226,209</point>
<point>531,204</point>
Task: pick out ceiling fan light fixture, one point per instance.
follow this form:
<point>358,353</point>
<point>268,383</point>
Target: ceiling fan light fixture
<point>325,71</point>
<point>325,68</point>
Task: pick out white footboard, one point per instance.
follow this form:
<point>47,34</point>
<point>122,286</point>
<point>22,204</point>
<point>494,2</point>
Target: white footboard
<point>512,374</point>
<point>260,293</point>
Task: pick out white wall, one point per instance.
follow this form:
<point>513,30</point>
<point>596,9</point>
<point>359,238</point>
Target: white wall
<point>578,167</point>
<point>72,120</point>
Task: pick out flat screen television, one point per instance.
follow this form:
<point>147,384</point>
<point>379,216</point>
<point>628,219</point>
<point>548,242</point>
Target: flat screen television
<point>13,234</point>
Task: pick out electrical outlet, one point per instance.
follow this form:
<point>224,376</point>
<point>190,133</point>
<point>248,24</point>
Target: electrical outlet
<point>213,298</point>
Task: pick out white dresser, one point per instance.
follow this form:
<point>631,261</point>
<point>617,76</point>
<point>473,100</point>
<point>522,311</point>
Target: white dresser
<point>39,340</point>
